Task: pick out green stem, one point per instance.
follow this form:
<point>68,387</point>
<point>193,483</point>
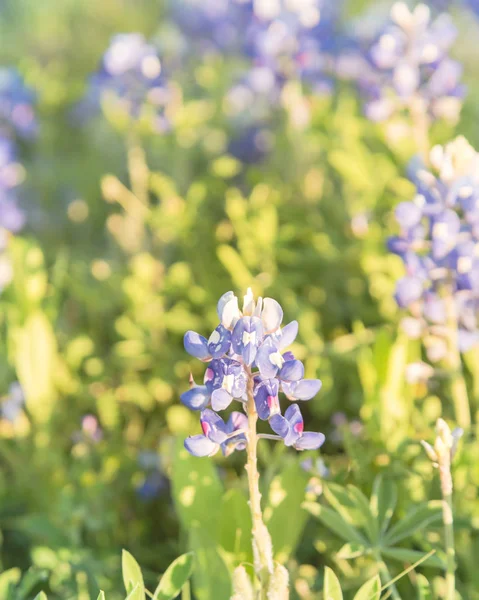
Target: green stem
<point>458,385</point>
<point>262,546</point>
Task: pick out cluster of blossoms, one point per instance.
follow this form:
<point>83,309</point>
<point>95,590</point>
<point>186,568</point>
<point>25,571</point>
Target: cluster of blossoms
<point>439,245</point>
<point>408,67</point>
<point>131,77</point>
<point>246,360</point>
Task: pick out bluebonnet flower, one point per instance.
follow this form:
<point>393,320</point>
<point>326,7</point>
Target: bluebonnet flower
<point>247,363</point>
<point>218,434</point>
<point>409,67</point>
<point>438,242</point>
<point>131,76</point>
<point>16,104</point>
<point>12,217</point>
<point>291,429</point>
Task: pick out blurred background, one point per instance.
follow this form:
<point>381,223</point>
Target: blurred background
<point>154,155</point>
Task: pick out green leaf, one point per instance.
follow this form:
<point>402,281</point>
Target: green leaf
<point>137,593</point>
<point>175,576</point>
<point>332,588</point>
<point>415,520</point>
<point>197,490</point>
<point>383,501</point>
<point>411,556</point>
<point>351,551</point>
<point>283,513</point>
<point>211,578</point>
<point>335,522</point>
<point>41,596</point>
<point>371,590</point>
<point>369,522</point>
<point>132,576</point>
<point>101,595</point>
<point>234,532</point>
<point>423,589</point>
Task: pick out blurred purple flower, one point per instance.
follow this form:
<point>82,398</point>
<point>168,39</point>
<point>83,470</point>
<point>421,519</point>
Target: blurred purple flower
<point>17,113</point>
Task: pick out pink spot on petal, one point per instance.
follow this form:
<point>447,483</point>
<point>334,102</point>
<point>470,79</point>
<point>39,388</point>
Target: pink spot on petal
<point>299,427</point>
<point>271,401</point>
<point>205,427</point>
<point>209,375</point>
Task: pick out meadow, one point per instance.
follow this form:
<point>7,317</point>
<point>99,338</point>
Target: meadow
<point>159,162</point>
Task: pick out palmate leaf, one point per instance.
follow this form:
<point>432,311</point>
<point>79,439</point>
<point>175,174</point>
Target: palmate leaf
<point>415,520</point>
<point>41,596</point>
<point>333,521</point>
<point>101,595</point>
<point>132,576</point>
<point>405,555</point>
<point>175,576</point>
<point>383,501</point>
<point>332,588</point>
<point>371,590</point>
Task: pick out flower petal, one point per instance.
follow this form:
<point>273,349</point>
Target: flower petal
<point>266,398</point>
<point>196,345</point>
<point>200,445</point>
<point>309,441</point>
<point>305,389</point>
<point>228,310</point>
<point>268,360</point>
<point>279,425</point>
<point>236,421</point>
<point>271,315</point>
<point>287,335</point>
<point>292,370</point>
<point>219,342</point>
<point>213,426</point>
<point>247,336</point>
<point>196,398</point>
<point>220,399</point>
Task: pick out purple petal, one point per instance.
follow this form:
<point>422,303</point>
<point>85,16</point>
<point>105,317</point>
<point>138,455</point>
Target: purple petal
<point>266,398</point>
<point>288,334</point>
<point>247,336</point>
<point>213,426</point>
<point>219,342</point>
<point>220,399</point>
<point>196,345</point>
<point>196,398</point>
<point>236,421</point>
<point>268,360</point>
<point>200,445</point>
<point>279,425</point>
<point>309,441</point>
<point>292,370</point>
<point>238,442</point>
<point>301,390</point>
<point>271,315</point>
